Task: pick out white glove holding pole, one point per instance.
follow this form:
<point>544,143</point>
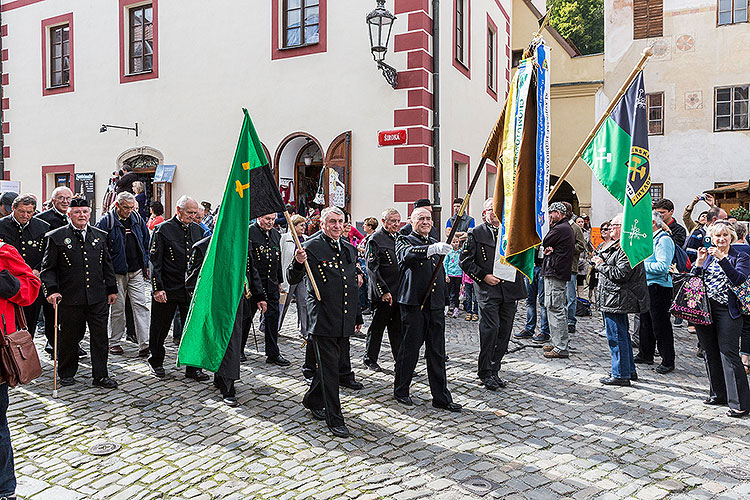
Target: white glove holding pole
<point>438,249</point>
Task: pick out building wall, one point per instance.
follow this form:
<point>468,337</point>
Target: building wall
<point>192,112</point>
<point>690,157</point>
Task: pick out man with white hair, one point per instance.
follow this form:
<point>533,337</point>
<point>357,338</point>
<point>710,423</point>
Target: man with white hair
<point>128,241</point>
<point>418,256</point>
<point>334,318</point>
<point>168,258</point>
<point>497,298</point>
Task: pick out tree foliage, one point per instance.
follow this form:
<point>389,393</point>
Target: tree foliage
<point>580,21</point>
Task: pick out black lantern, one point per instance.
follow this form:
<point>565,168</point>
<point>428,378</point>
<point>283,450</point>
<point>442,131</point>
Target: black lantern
<point>380,24</point>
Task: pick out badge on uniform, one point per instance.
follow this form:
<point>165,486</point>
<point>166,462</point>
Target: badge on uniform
<point>96,240</point>
<point>67,242</point>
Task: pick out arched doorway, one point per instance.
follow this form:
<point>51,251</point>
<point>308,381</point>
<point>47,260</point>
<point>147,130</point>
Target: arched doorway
<point>300,172</point>
<point>339,163</point>
<point>565,193</point>
<point>144,160</point>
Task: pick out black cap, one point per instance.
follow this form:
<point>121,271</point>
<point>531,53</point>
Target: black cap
<point>79,202</point>
<point>422,202</point>
<point>6,200</point>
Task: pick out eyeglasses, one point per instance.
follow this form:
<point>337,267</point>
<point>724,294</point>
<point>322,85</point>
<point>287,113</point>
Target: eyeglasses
<point>616,225</point>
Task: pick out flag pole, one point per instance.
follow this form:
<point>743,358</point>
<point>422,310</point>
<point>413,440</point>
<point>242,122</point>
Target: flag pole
<point>647,52</point>
<point>299,247</point>
<point>454,227</point>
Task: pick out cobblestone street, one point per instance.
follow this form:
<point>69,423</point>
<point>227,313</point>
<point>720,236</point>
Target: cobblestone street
<point>553,432</point>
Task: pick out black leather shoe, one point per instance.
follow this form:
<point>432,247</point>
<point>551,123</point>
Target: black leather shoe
<point>243,358</point>
<point>623,382</point>
<point>280,361</point>
<point>49,349</point>
<point>158,371</point>
<point>737,414</point>
<point>105,382</point>
<point>66,381</point>
<point>633,377</point>
<point>339,431</point>
<point>490,383</point>
<point>352,384</point>
<point>196,375</point>
<point>372,365</point>
<point>318,413</point>
<point>714,401</point>
<point>642,361</point>
<point>405,400</point>
<point>231,401</point>
<point>571,328</point>
<point>500,382</point>
<point>664,369</point>
<point>454,407</point>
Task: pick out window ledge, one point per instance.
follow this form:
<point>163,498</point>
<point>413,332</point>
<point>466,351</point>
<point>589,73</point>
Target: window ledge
<point>139,73</point>
<point>293,47</point>
<point>458,61</point>
<point>57,87</point>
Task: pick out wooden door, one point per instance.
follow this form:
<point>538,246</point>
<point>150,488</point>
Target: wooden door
<point>339,164</point>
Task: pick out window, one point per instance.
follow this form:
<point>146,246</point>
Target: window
<point>141,53</point>
<point>301,22</point>
<point>648,18</point>
<point>655,110</point>
<point>491,76</point>
<point>732,11</point>
<point>515,58</point>
<point>57,55</point>
<point>462,36</point>
<point>460,40</point>
<point>731,108</point>
<point>139,40</point>
<point>459,174</point>
<point>657,191</point>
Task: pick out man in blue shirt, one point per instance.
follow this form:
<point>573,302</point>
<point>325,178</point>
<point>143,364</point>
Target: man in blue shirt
<point>464,222</point>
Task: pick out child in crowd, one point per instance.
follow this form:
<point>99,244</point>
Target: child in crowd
<point>470,299</point>
<point>453,277</point>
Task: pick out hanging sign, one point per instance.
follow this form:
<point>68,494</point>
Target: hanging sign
<point>392,137</point>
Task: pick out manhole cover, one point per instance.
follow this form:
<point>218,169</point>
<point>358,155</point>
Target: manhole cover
<point>478,485</point>
<point>264,390</point>
<point>737,473</point>
<point>142,403</point>
<point>104,449</point>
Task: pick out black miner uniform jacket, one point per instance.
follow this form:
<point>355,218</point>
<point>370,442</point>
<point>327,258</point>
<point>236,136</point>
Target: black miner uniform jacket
<point>29,241</point>
<point>266,250</point>
<point>170,248</point>
<point>54,218</point>
<point>416,272</point>
<point>335,272</point>
<point>83,276</point>
<point>382,264</point>
<point>478,260</point>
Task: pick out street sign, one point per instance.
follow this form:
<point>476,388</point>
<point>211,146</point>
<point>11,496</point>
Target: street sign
<point>392,137</point>
<point>164,173</point>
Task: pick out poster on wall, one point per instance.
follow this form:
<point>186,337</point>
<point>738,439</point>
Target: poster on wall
<point>14,186</point>
<point>165,173</point>
<point>85,188</point>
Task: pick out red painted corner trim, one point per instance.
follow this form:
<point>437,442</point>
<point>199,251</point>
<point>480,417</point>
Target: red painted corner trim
<point>4,54</point>
<point>6,103</point>
<point>6,128</point>
<point>18,4</point>
<point>408,193</point>
<point>492,26</point>
<point>277,50</point>
<point>419,173</point>
<point>419,59</point>
<point>408,155</point>
<point>419,136</point>
<point>420,21</point>
<point>411,41</point>
<point>46,25</point>
<point>6,152</point>
<point>411,117</point>
<point>413,78</point>
<point>69,168</point>
<point>4,30</point>
<point>502,10</point>
<point>420,97</point>
<point>123,20</point>
<point>457,157</point>
<point>404,6</point>
<point>465,69</point>
<point>5,79</point>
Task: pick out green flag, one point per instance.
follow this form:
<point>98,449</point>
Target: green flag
<point>220,285</point>
<point>618,155</point>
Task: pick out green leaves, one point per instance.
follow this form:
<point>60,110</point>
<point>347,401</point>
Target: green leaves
<point>580,21</point>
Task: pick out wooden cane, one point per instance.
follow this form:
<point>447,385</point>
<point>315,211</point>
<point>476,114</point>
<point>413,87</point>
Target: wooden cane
<point>299,247</point>
<point>54,356</point>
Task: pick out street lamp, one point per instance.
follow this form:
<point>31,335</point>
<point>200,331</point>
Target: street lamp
<point>104,128</point>
<point>380,24</point>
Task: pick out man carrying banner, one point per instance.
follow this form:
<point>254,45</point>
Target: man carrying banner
<point>497,298</point>
<point>334,317</point>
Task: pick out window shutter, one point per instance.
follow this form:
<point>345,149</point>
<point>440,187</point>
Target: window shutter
<point>655,18</point>
<point>648,18</point>
<point>640,19</point>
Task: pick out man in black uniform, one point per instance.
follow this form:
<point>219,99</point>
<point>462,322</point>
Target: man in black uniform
<point>382,267</point>
<point>265,245</point>
<point>334,318</point>
<point>496,297</point>
<point>418,256</point>
<point>421,203</point>
<point>229,369</point>
<point>26,233</point>
<point>170,246</point>
<point>78,276</point>
<point>56,216</point>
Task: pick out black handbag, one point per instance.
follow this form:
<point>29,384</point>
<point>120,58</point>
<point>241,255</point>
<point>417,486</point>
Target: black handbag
<point>691,302</point>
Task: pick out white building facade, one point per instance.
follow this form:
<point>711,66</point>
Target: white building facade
<point>183,70</point>
<point>697,86</point>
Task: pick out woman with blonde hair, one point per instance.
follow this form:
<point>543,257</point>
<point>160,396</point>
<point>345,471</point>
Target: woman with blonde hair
<point>139,189</point>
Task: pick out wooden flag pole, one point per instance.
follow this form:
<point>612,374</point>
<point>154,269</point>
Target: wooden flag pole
<point>299,247</point>
<point>454,227</point>
<point>54,355</point>
<point>647,52</point>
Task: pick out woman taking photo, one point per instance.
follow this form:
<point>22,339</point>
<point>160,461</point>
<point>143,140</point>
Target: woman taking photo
<point>722,266</point>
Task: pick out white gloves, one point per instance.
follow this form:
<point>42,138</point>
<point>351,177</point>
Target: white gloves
<point>438,249</point>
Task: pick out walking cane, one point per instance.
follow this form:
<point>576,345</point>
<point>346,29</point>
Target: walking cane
<point>255,337</point>
<point>54,356</point>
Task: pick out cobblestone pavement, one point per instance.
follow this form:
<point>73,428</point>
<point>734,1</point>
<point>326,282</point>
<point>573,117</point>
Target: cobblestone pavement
<point>553,432</point>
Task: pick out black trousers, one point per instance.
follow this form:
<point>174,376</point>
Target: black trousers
<point>49,321</point>
<point>161,319</point>
<point>495,325</point>
<point>73,321</point>
<point>345,362</point>
<point>656,328</point>
<point>324,389</point>
<point>720,342</point>
<point>271,331</point>
<point>385,316</point>
<point>422,326</point>
<point>32,313</point>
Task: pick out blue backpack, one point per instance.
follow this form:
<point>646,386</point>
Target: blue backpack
<point>680,259</point>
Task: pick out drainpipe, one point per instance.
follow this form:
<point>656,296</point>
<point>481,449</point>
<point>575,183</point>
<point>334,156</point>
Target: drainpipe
<point>436,111</point>
<point>2,115</point>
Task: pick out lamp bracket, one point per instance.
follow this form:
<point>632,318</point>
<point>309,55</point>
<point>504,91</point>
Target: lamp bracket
<point>390,73</point>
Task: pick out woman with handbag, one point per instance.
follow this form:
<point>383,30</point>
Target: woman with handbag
<point>19,286</point>
<point>722,267</point>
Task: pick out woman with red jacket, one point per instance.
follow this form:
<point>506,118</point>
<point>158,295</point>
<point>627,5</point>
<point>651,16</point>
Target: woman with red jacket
<point>18,285</point>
